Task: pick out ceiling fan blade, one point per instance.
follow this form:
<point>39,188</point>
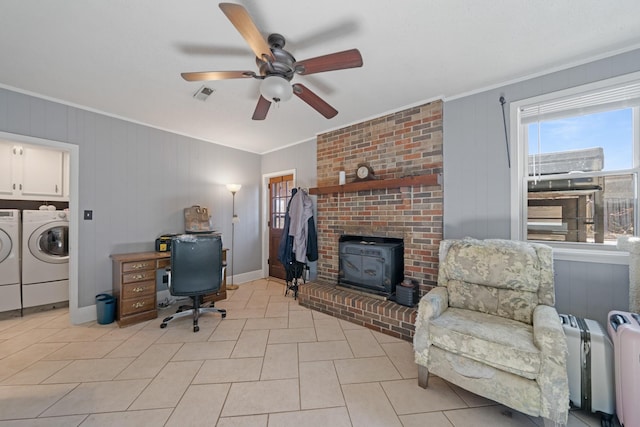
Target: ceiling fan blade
<point>333,61</point>
<point>241,19</point>
<point>262,109</point>
<point>314,101</point>
<point>217,75</point>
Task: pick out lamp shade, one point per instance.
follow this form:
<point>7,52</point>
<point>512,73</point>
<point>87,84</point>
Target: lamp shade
<point>234,188</point>
<point>276,89</point>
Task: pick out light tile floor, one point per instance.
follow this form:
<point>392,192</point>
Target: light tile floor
<point>270,363</point>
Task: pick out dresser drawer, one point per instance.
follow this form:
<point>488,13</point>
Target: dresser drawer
<point>139,276</point>
<point>138,289</point>
<point>165,262</point>
<point>138,265</point>
<point>137,305</point>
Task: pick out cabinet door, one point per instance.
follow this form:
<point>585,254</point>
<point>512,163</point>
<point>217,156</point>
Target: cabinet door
<point>7,164</point>
<point>42,171</point>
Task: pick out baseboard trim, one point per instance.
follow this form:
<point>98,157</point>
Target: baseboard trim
<point>239,279</point>
<point>89,313</point>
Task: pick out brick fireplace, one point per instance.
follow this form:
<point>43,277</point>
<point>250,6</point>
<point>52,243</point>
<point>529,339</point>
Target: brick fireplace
<point>403,144</point>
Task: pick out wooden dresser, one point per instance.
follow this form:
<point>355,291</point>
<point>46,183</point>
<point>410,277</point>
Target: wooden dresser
<point>134,285</point>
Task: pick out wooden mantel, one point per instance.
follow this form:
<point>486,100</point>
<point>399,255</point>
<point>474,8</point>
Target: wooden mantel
<point>376,184</point>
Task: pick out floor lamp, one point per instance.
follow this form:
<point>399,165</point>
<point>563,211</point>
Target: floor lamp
<point>234,188</point>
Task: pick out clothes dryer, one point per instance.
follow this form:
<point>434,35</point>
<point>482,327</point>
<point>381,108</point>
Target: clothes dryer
<point>10,260</point>
<point>45,257</point>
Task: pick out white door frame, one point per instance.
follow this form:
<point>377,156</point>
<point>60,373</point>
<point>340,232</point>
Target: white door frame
<point>77,314</point>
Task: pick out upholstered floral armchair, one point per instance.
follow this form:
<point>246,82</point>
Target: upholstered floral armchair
<point>490,326</point>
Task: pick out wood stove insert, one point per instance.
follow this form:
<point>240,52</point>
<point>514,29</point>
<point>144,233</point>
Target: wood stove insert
<point>371,264</point>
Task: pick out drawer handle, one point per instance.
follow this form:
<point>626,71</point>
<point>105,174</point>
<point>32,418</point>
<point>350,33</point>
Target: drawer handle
<point>138,304</point>
<point>138,276</point>
<point>139,266</point>
<point>139,289</point>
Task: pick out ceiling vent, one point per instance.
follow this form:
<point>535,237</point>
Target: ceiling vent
<point>203,93</point>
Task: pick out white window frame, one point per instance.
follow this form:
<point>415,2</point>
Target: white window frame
<point>519,176</point>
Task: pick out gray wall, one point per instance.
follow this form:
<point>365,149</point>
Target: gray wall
<point>137,180</point>
<point>477,186</point>
<point>303,158</point>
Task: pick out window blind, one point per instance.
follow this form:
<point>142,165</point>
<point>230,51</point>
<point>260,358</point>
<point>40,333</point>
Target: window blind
<point>612,98</point>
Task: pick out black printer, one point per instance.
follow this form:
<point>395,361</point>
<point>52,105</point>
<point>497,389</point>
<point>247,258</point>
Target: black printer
<point>163,243</point>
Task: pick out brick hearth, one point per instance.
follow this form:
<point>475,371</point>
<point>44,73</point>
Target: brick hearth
<point>386,317</point>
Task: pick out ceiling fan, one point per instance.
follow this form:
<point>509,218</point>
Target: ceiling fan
<point>277,66</point>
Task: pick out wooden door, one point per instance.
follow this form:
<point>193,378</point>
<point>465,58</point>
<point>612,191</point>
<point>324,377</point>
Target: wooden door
<point>279,195</point>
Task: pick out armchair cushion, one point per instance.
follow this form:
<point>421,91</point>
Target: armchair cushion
<point>493,340</point>
<point>507,303</point>
<point>499,277</point>
<point>507,264</point>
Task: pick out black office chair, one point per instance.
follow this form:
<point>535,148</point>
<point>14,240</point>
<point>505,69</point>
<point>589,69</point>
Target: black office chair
<point>196,270</point>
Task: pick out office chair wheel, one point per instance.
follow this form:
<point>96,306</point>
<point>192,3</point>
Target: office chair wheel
<point>163,325</point>
<point>224,315</point>
<point>196,328</point>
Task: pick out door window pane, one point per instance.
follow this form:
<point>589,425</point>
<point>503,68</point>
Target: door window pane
<point>280,195</point>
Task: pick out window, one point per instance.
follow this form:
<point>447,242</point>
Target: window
<point>575,180</point>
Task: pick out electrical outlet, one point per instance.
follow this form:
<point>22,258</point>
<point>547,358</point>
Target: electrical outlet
<point>88,215</point>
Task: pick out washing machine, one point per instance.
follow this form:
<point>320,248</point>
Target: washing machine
<point>45,257</point>
<point>9,260</point>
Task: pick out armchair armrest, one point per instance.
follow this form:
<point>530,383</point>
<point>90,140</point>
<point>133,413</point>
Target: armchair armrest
<point>431,305</point>
<point>548,334</point>
<point>434,303</point>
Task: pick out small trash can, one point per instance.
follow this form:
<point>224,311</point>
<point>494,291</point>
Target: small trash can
<point>106,307</point>
<point>407,293</point>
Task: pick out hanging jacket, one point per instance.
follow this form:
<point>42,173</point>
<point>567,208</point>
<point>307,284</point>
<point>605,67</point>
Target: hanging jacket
<point>300,211</point>
<point>299,238</point>
<point>312,241</point>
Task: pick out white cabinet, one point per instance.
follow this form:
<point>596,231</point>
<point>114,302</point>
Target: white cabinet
<point>30,172</point>
<point>42,170</point>
<point>6,169</point>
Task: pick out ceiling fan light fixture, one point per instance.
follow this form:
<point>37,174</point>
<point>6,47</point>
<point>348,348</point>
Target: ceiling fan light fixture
<point>276,89</point>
